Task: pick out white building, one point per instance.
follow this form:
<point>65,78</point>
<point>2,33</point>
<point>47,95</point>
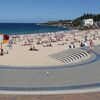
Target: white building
<point>88,22</point>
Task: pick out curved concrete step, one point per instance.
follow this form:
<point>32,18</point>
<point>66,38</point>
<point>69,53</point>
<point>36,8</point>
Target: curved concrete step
<point>75,57</point>
<point>65,52</point>
<point>71,56</point>
<point>64,55</point>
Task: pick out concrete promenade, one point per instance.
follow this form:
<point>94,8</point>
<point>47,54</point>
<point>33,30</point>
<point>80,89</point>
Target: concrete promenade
<point>80,76</point>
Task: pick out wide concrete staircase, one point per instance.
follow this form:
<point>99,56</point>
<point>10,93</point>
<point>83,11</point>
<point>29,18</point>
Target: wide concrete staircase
<point>71,56</point>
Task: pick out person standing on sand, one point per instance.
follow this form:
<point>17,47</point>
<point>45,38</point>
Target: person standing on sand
<point>1,52</point>
<point>91,45</point>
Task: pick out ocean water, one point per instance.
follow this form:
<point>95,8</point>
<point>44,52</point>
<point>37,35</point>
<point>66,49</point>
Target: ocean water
<point>27,28</point>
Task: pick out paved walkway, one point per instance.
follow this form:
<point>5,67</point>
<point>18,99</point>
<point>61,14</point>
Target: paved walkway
<point>83,75</point>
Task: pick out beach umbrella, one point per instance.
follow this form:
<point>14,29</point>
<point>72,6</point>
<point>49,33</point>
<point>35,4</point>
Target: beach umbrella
<point>5,37</point>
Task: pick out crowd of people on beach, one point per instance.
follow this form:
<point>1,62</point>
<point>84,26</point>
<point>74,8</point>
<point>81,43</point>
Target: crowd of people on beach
<point>71,38</point>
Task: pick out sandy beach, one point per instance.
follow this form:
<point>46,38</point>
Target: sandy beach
<point>45,45</point>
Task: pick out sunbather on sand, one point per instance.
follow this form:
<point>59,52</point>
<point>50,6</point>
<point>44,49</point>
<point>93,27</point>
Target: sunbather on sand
<point>33,48</point>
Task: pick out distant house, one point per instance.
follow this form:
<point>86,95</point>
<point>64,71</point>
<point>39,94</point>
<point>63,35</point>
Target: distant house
<point>88,22</point>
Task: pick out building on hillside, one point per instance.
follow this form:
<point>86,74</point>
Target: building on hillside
<point>88,22</point>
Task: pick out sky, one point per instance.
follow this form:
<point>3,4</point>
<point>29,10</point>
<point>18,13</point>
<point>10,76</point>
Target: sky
<point>45,10</point>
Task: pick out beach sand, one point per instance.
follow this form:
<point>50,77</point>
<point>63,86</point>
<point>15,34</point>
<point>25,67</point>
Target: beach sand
<point>21,56</point>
